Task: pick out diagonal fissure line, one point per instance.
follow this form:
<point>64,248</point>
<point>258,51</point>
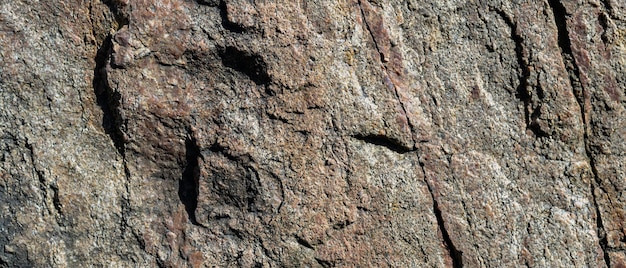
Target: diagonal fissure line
<point>560,19</point>
<point>369,30</point>
<point>522,61</point>
<point>455,254</point>
<point>44,185</point>
<point>382,61</point>
<point>109,102</point>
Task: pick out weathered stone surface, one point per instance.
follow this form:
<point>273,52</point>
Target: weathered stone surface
<point>181,133</point>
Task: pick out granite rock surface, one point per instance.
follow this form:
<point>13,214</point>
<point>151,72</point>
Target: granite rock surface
<point>414,133</point>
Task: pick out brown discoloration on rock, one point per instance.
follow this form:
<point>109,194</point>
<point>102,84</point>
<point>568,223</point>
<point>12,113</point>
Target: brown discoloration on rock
<point>602,99</point>
<point>611,88</point>
<point>374,22</point>
<point>582,49</point>
<point>475,93</point>
<point>413,122</point>
<point>391,61</point>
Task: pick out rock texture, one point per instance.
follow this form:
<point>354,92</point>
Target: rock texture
<point>179,133</point>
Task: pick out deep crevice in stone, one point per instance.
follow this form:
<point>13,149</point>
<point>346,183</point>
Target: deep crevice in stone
<point>188,187</point>
<point>455,254</point>
<point>610,10</point>
<point>384,141</point>
<point>211,3</point>
<point>227,24</point>
<point>601,232</point>
<point>304,242</point>
<point>108,99</point>
<point>560,19</point>
<point>531,114</point>
<point>523,87</point>
<point>56,201</point>
<point>251,65</point>
<point>113,124</point>
<point>109,102</point>
<point>604,20</point>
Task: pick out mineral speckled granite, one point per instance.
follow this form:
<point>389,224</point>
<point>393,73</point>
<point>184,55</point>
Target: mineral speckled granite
<point>317,133</point>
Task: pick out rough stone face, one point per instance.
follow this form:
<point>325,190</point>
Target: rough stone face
<point>179,133</point>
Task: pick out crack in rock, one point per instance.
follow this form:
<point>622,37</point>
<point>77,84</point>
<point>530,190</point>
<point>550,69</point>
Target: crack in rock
<point>249,64</point>
<point>522,60</point>
<point>560,15</point>
<point>188,187</point>
<point>383,59</point>
<point>108,99</point>
<point>455,254</point>
<point>44,185</point>
<point>384,141</point>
